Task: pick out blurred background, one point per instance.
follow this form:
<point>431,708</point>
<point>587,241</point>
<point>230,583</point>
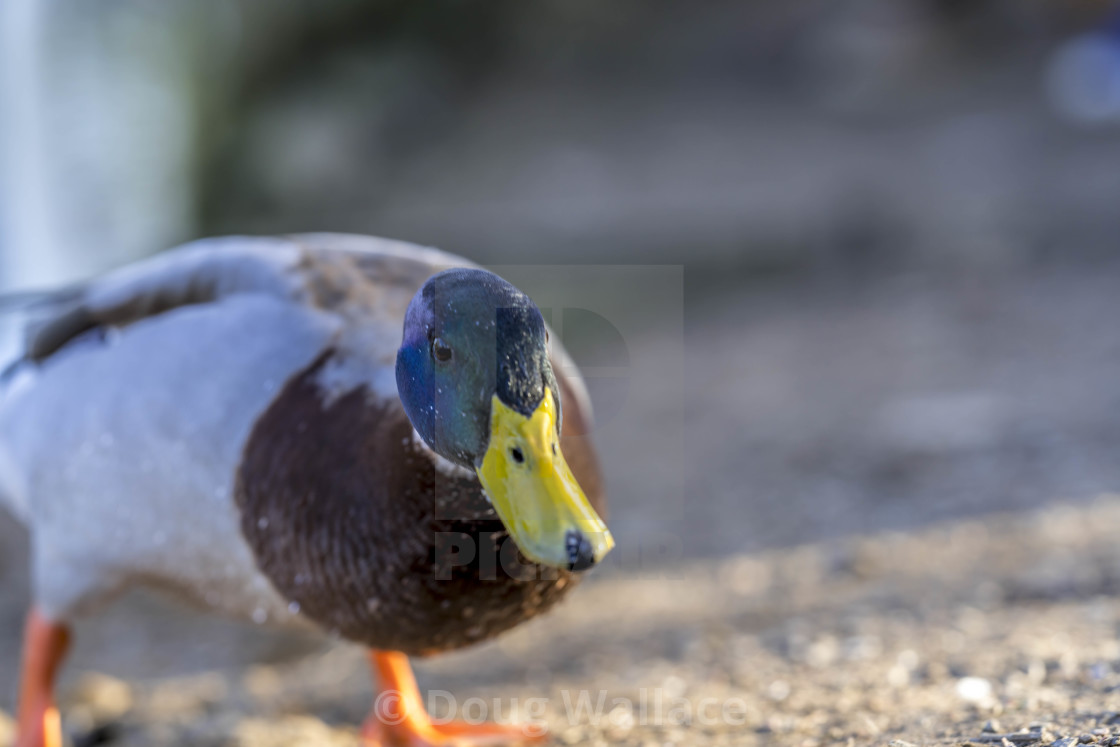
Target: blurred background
<point>886,236</point>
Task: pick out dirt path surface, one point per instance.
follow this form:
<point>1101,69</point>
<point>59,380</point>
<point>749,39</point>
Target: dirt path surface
<point>973,631</point>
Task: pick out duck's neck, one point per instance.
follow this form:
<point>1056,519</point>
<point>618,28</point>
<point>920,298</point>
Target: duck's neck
<point>351,517</point>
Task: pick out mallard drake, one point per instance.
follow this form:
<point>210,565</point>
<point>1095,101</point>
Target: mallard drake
<point>242,422</point>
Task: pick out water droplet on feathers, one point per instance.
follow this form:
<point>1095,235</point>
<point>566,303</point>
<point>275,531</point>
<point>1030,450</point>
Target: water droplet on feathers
<point>262,523</point>
<point>293,608</point>
<point>260,616</point>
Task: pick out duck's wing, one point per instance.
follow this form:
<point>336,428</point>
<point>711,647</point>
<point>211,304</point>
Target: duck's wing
<point>328,271</point>
<point>199,272</point>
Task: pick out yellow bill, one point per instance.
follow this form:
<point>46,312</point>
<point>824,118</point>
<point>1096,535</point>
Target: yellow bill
<point>535,493</point>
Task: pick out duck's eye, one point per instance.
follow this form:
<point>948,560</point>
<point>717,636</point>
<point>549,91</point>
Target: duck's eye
<point>517,455</point>
<point>441,351</point>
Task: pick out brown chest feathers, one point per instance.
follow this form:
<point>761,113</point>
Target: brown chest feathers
<point>351,520</point>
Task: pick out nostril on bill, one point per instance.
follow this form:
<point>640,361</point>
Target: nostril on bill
<point>581,556</point>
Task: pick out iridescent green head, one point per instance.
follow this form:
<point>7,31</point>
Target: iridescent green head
<point>469,335</point>
<point>475,379</point>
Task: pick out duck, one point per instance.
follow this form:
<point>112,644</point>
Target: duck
<point>368,438</point>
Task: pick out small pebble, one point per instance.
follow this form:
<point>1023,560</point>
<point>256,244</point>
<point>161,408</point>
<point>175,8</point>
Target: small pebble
<point>974,689</point>
<point>105,697</point>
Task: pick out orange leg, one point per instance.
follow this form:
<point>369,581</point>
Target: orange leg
<point>399,718</point>
<point>44,646</point>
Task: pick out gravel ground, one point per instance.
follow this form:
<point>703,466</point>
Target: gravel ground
<point>977,631</point>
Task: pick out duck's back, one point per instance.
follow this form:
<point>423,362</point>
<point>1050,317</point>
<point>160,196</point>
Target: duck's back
<point>121,434</point>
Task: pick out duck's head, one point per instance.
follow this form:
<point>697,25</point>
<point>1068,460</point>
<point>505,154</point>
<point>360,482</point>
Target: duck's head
<point>474,375</point>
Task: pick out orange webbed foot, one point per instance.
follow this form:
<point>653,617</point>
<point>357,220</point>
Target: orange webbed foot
<point>399,718</point>
<point>453,734</point>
